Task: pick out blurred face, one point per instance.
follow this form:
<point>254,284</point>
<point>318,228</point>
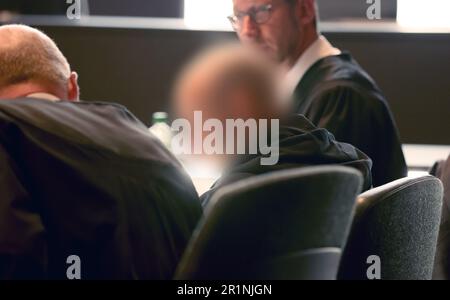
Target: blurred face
<point>204,93</point>
<point>197,95</point>
<point>278,33</point>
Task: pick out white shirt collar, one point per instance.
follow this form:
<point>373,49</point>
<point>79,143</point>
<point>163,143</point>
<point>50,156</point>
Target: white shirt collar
<point>45,96</point>
<point>321,48</point>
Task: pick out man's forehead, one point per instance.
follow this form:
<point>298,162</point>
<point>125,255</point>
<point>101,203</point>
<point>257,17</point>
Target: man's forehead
<point>244,5</point>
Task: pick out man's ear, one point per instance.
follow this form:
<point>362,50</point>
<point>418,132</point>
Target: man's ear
<point>73,88</point>
<point>306,10</point>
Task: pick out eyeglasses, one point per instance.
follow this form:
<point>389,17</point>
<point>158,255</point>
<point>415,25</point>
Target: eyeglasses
<point>259,15</point>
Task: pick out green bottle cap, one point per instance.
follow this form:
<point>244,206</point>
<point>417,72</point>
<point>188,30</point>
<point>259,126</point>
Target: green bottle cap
<point>160,117</point>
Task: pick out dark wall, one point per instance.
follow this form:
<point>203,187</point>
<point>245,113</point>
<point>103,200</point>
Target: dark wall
<point>413,70</point>
<point>35,7</point>
<point>131,66</point>
<point>138,8</point>
<point>136,67</point>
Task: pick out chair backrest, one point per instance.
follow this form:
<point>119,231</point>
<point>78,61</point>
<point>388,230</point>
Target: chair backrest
<point>399,223</point>
<point>442,260</point>
<point>283,225</point>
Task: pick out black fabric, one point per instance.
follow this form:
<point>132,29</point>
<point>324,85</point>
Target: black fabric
<point>398,222</point>
<point>301,144</point>
<point>260,227</point>
<point>442,261</point>
<point>336,94</point>
<point>88,179</point>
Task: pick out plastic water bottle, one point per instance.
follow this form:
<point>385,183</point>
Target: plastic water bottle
<point>161,128</point>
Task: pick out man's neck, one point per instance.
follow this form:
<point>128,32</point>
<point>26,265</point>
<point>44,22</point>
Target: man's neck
<point>25,89</point>
<point>306,43</point>
<point>44,96</point>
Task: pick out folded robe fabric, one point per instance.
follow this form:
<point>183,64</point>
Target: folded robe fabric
<point>88,179</point>
<point>301,144</point>
<point>337,94</point>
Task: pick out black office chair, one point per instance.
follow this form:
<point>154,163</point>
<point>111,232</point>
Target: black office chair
<point>399,223</point>
<point>283,225</point>
<point>442,260</point>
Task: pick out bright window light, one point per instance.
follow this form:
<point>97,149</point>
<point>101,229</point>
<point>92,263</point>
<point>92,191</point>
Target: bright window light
<point>208,14</point>
<point>423,14</point>
<point>416,174</point>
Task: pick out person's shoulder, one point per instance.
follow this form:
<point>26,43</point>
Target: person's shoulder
<point>338,67</point>
<point>98,107</point>
<point>342,80</point>
<point>24,108</point>
<point>41,111</point>
<point>109,112</point>
<point>339,71</point>
<point>39,104</point>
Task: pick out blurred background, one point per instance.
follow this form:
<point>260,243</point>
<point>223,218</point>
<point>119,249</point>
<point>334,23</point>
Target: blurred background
<point>130,52</point>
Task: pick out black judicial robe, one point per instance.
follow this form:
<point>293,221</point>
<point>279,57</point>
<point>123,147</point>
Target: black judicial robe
<point>87,179</point>
<point>337,94</point>
<point>301,144</point>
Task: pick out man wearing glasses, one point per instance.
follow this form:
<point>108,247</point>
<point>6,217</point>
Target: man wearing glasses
<point>326,85</point>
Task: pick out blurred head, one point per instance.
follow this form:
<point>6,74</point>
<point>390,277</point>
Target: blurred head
<point>32,63</point>
<point>282,29</point>
<point>230,82</point>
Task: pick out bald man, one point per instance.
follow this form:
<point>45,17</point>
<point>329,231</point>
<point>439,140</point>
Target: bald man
<point>327,85</point>
<point>31,64</point>
<point>237,83</point>
<point>81,179</point>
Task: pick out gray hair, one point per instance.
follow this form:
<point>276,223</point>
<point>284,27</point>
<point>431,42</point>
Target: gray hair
<point>28,55</point>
